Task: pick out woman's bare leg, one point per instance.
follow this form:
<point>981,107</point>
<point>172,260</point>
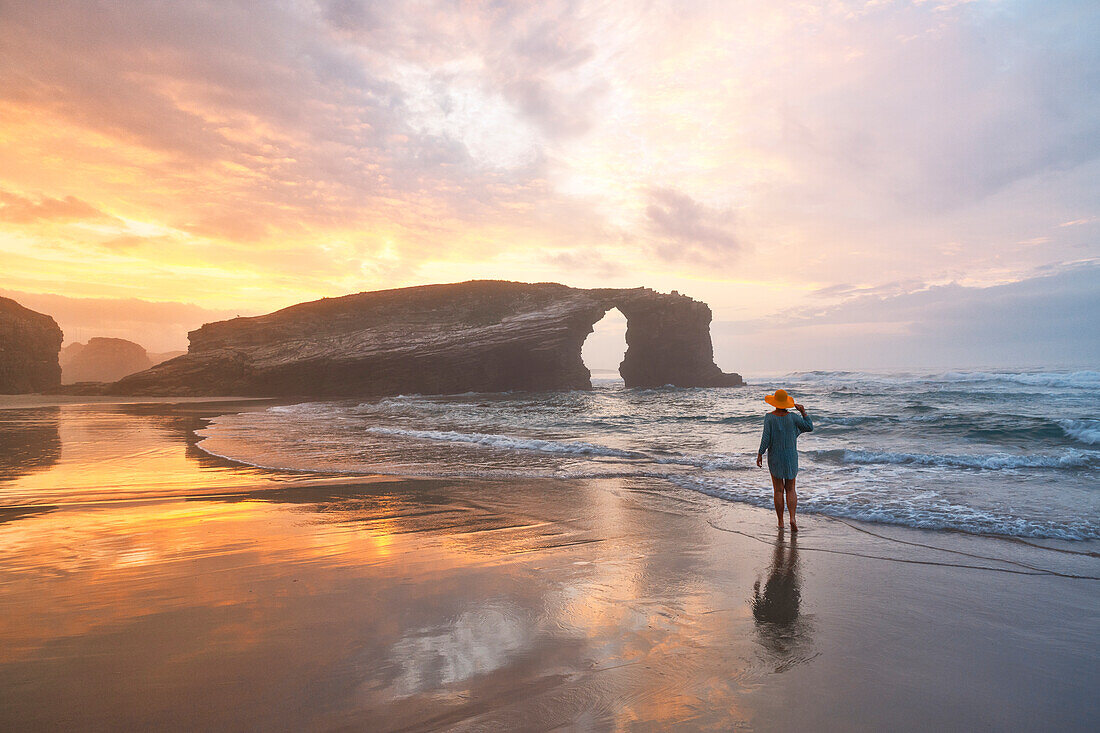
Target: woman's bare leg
<point>777,491</point>
<point>792,500</point>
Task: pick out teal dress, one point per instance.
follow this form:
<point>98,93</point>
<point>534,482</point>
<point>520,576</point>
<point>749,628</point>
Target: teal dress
<point>780,434</point>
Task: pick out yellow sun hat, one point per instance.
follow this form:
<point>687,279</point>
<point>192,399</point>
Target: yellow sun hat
<point>780,399</point>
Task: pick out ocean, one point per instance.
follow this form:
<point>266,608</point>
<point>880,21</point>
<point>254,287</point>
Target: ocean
<point>1009,453</point>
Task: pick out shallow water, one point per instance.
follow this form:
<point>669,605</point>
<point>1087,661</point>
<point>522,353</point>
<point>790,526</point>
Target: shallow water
<point>1007,453</point>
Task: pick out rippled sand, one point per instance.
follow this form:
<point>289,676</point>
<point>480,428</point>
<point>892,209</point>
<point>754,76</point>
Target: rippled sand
<point>145,584</point>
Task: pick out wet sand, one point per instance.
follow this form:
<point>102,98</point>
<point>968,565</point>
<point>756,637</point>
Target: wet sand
<point>147,585</point>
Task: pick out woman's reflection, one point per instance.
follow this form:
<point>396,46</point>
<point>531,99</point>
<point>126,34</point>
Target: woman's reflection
<point>783,631</point>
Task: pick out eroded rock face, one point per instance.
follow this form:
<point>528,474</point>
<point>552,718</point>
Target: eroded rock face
<point>480,336</point>
<point>102,360</point>
<point>29,344</point>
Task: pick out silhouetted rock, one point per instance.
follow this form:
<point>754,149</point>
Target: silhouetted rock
<point>102,360</point>
<point>479,336</point>
<point>29,344</point>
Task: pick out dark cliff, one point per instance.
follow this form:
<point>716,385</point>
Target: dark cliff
<point>480,336</point>
<point>29,345</point>
<point>102,360</point>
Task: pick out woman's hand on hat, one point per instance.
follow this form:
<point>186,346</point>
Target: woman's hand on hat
<point>800,408</point>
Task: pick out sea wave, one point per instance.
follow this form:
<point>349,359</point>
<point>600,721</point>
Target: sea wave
<point>1085,379</point>
<point>1086,430</point>
<point>1081,379</point>
<point>1000,428</point>
<point>996,461</point>
<point>710,461</point>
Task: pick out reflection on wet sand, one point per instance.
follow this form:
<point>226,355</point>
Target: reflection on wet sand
<point>29,441</point>
<point>368,602</point>
<point>785,634</point>
<point>112,453</point>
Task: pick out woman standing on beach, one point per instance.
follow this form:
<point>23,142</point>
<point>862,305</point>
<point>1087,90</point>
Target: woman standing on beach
<point>781,431</point>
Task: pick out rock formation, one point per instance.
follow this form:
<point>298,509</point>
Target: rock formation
<point>102,360</point>
<point>479,336</point>
<point>29,344</point>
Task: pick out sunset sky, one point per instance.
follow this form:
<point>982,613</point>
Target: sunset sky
<point>847,184</point>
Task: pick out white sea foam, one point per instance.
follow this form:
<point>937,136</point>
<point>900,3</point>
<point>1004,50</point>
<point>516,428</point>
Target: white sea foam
<point>716,462</point>
<point>304,408</point>
<point>720,461</point>
<point>1086,431</point>
<point>511,442</point>
<point>922,511</point>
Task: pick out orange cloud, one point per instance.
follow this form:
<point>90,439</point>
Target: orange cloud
<point>18,209</point>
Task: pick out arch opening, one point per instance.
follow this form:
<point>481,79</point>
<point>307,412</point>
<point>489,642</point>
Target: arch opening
<point>603,350</point>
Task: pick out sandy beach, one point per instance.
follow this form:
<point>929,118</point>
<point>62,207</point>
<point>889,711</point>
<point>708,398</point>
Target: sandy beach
<point>145,584</point>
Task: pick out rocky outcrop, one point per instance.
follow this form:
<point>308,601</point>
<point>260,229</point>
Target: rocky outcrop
<point>29,344</point>
<point>479,336</point>
<point>102,360</point>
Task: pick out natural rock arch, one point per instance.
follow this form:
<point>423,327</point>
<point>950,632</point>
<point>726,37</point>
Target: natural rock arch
<point>478,336</point>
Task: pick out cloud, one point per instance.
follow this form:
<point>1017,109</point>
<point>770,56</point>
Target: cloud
<point>1051,318</point>
<point>585,262</point>
<point>16,209</point>
<point>944,106</point>
<point>689,229</point>
<point>1080,222</point>
<point>308,130</point>
<point>835,291</point>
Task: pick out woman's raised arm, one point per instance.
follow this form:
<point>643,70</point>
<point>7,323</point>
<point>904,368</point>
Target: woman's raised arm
<point>802,421</point>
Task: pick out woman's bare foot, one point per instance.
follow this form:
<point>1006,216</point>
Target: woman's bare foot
<point>780,525</point>
<point>794,527</point>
